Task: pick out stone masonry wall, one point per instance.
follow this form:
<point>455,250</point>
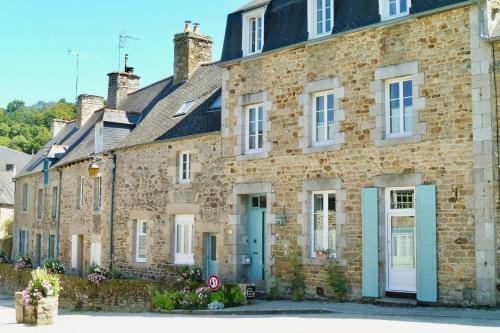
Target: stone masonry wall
<point>496,92</point>
<point>444,156</point>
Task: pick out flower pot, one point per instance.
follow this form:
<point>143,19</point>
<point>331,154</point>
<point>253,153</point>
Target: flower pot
<point>41,314</point>
<point>322,255</point>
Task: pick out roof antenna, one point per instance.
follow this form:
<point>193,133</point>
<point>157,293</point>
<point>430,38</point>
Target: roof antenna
<point>78,55</point>
<point>122,43</point>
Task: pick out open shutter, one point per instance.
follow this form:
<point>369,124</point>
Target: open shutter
<point>426,243</point>
<point>26,237</point>
<point>74,251</point>
<point>369,212</point>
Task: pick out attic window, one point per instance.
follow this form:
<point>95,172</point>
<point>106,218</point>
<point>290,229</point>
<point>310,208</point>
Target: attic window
<point>253,31</point>
<point>184,108</point>
<point>216,105</point>
<point>391,9</point>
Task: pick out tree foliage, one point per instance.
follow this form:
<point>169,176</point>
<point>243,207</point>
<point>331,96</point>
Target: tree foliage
<point>27,128</point>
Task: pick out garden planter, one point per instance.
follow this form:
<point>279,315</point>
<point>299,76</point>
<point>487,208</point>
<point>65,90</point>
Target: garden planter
<point>41,314</point>
<point>322,255</point>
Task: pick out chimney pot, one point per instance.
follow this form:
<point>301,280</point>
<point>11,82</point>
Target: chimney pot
<point>187,26</point>
<point>196,28</point>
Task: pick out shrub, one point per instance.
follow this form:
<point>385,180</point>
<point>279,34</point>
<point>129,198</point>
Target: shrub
<point>189,276</point>
<point>336,280</point>
<point>42,284</point>
<point>219,296</point>
<point>297,284</point>
<point>53,266</point>
<point>273,293</point>
<point>23,262</point>
<point>214,305</point>
<point>167,300</point>
<point>236,296</point>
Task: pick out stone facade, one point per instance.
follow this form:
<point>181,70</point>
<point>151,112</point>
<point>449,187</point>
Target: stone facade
<point>437,49</point>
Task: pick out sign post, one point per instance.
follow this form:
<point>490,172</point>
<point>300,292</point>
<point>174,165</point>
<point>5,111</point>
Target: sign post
<point>213,282</point>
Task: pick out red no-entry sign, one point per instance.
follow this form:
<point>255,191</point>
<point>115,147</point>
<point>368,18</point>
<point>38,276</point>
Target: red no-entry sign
<point>213,282</point>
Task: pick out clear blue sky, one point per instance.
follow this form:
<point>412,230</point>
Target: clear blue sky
<point>36,34</point>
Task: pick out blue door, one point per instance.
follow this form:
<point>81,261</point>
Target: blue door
<point>256,223</point>
<point>211,263</point>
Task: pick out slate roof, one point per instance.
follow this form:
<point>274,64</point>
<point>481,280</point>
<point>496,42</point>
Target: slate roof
<point>160,101</point>
<point>286,21</point>
<point>19,159</point>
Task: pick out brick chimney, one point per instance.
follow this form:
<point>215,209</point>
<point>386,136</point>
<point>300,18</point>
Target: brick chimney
<point>87,105</point>
<point>192,49</point>
<point>56,126</point>
<point>121,84</point>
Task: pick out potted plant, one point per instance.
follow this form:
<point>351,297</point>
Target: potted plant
<point>23,262</point>
<point>39,302</point>
<point>322,253</point>
<point>3,257</point>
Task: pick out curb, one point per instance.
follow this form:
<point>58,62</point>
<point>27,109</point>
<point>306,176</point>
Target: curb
<point>247,312</point>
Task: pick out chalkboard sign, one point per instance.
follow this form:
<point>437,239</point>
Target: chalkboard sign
<point>250,292</point>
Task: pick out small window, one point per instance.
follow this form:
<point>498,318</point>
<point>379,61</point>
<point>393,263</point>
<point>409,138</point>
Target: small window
<point>25,197</point>
<point>39,203</point>
<point>253,32</point>
<point>402,199</point>
<point>79,193</point>
<point>54,201</point>
<point>141,242</point>
<point>185,107</point>
<point>97,193</point>
<point>184,225</point>
<point>184,167</point>
<point>324,225</point>
<point>399,107</point>
<point>10,167</point>
<point>324,117</point>
<point>254,131</point>
<point>51,245</point>
<point>320,17</point>
<point>391,9</point>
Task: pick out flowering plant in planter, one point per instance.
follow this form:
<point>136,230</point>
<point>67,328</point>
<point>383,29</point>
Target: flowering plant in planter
<point>96,274</point>
<point>189,276</point>
<point>42,284</point>
<point>323,253</point>
<point>23,262</point>
<point>53,266</point>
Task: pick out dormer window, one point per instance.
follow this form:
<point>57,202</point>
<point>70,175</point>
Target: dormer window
<point>253,32</point>
<point>320,18</point>
<point>391,9</point>
<point>184,108</point>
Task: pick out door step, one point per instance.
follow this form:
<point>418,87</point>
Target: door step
<point>388,301</point>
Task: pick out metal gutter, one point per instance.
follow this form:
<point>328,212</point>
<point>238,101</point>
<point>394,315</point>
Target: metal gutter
<point>347,32</point>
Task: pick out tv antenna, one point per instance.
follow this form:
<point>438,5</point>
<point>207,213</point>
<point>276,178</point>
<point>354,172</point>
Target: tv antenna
<point>78,55</point>
<point>122,43</point>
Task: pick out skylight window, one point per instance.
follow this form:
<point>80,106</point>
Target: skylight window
<point>184,108</point>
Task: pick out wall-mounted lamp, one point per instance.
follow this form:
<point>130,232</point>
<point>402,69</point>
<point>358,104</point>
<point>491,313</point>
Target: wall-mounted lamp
<point>93,169</point>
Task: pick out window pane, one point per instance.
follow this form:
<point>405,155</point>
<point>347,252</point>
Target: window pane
<point>260,128</point>
<point>259,34</point>
<point>320,121</point>
<point>213,248</point>
<point>318,221</point>
<point>330,116</point>
<point>403,244</point>
<point>252,34</point>
<point>392,7</point>
<point>402,199</point>
<point>255,202</point>
<point>319,16</point>
<point>403,6</point>
<point>332,222</point>
<point>328,16</point>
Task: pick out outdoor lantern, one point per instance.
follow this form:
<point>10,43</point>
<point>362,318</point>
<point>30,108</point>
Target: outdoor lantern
<point>93,169</point>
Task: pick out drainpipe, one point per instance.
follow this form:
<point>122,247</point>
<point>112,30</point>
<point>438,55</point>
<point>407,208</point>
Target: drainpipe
<point>14,230</point>
<point>58,222</point>
<point>112,210</point>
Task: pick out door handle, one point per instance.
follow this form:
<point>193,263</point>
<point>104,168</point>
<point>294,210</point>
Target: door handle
<point>256,253</point>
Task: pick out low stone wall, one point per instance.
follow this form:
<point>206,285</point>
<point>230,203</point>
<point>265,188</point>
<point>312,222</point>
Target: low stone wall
<point>79,294</point>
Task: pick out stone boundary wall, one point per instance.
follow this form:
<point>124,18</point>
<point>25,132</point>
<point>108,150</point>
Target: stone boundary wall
<point>79,294</point>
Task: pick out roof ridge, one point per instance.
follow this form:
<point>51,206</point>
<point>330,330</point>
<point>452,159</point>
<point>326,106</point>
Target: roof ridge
<point>150,85</point>
<point>16,151</point>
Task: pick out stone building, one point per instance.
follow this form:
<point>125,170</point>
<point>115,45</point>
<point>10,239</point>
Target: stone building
<point>325,132</point>
<point>366,133</point>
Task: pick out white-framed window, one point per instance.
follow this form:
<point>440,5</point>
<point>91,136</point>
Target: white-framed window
<point>39,203</point>
<point>99,137</point>
<point>323,117</point>
<point>399,107</point>
<point>74,251</point>
<point>55,195</point>
<point>184,230</point>
<point>320,17</point>
<point>323,222</point>
<point>141,241</point>
<point>185,107</point>
<point>97,193</point>
<point>184,167</point>
<point>25,197</point>
<point>391,9</point>
<point>253,32</point>
<point>95,253</point>
<point>254,138</point>
<point>79,193</point>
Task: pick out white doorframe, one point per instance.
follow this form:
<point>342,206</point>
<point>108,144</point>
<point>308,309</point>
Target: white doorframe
<point>389,213</point>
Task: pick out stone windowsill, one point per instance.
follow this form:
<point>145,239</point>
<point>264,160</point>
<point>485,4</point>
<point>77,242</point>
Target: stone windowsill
<point>249,157</point>
<point>400,140</point>
<point>321,149</point>
<point>321,262</point>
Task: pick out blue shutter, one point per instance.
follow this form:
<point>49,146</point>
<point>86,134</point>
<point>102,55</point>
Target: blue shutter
<point>26,235</point>
<point>426,243</point>
<point>45,172</point>
<point>369,213</point>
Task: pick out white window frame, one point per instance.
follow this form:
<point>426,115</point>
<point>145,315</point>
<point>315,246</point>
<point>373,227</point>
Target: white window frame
<point>312,8</point>
<point>185,167</point>
<point>74,251</point>
<point>385,12</point>
<point>81,183</point>
<point>138,233</point>
<point>99,137</point>
<point>255,14</point>
<point>324,94</point>
<point>403,133</point>
<point>183,255</point>
<point>98,194</point>
<point>247,129</point>
<point>325,224</point>
<point>184,108</point>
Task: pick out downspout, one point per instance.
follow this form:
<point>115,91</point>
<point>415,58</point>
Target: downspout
<point>58,222</point>
<point>112,210</point>
<point>15,248</point>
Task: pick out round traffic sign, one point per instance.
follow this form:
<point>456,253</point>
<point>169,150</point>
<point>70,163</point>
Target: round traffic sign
<point>213,282</point>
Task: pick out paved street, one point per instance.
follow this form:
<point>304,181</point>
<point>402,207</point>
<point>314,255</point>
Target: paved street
<point>348,318</point>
